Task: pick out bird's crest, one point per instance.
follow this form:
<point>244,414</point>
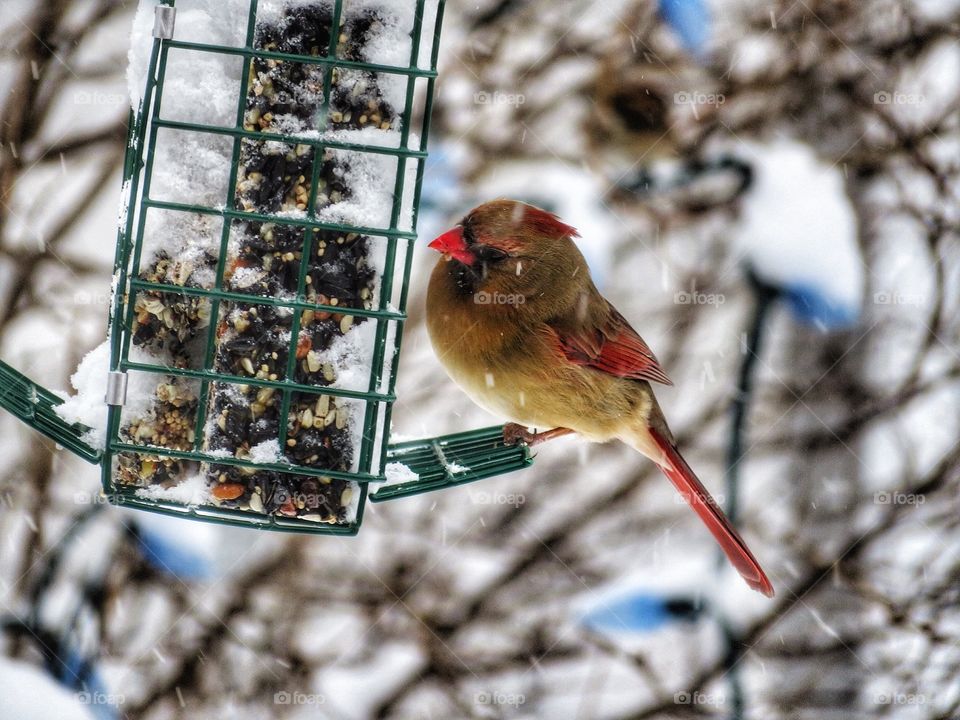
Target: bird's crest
<point>545,223</point>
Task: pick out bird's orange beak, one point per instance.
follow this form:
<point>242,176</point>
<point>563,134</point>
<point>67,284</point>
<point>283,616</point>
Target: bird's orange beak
<point>452,244</point>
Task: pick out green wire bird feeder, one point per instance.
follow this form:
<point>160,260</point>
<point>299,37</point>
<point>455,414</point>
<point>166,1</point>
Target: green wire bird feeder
<point>271,186</point>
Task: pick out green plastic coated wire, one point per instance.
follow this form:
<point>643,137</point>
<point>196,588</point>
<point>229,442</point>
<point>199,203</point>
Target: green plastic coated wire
<point>439,463</point>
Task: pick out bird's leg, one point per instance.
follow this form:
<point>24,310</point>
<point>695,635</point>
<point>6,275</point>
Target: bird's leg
<point>514,433</point>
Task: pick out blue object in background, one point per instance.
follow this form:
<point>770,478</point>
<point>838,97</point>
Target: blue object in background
<point>810,306</point>
<point>640,612</point>
<point>74,670</point>
<point>690,20</point>
<point>441,200</point>
<point>93,695</point>
<point>103,705</point>
<point>167,554</point>
<point>77,673</point>
<point>441,182</point>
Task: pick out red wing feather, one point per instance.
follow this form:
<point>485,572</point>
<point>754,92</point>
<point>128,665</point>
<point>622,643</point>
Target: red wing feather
<point>613,347</point>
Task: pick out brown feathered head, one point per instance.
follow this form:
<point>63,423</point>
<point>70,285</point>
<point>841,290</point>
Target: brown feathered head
<point>510,247</point>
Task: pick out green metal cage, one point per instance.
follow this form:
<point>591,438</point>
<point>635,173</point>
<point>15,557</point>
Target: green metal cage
<point>436,462</point>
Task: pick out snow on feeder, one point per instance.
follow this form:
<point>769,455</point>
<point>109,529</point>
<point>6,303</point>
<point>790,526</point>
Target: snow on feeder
<point>271,187</point>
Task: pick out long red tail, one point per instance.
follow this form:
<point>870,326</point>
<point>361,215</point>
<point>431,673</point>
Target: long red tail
<point>693,491</point>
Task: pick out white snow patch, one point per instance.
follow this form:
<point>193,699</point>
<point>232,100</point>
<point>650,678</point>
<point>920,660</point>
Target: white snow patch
<point>397,472</point>
<point>124,205</point>
<point>350,514</point>
<point>223,22</point>
<point>213,22</point>
<point>371,178</point>
<point>350,355</point>
<point>88,406</point>
<point>191,168</point>
<point>266,452</point>
<point>389,352</point>
<point>192,491</point>
<point>201,87</point>
<point>31,694</point>
<point>797,226</point>
<point>138,57</point>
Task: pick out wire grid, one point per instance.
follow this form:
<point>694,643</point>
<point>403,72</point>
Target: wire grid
<point>379,396</point>
<point>452,460</point>
<point>34,405</point>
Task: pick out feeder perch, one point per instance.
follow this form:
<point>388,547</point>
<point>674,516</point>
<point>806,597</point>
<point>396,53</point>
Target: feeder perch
<point>261,273</point>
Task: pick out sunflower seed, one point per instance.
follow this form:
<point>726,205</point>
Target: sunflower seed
<point>153,306</point>
<point>323,405</point>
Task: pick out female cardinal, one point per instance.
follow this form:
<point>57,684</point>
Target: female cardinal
<point>519,325</point>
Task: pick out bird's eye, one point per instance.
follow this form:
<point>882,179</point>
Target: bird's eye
<point>489,254</point>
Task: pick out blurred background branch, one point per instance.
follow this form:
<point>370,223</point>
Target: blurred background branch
<point>469,603</point>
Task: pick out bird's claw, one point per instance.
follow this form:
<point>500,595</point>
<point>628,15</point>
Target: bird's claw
<point>514,433</point>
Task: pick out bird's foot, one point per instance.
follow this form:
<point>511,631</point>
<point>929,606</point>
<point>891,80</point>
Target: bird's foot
<point>514,433</point>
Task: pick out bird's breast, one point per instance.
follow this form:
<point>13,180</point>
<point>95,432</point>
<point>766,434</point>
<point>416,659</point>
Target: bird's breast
<point>486,356</point>
<point>514,370</point>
